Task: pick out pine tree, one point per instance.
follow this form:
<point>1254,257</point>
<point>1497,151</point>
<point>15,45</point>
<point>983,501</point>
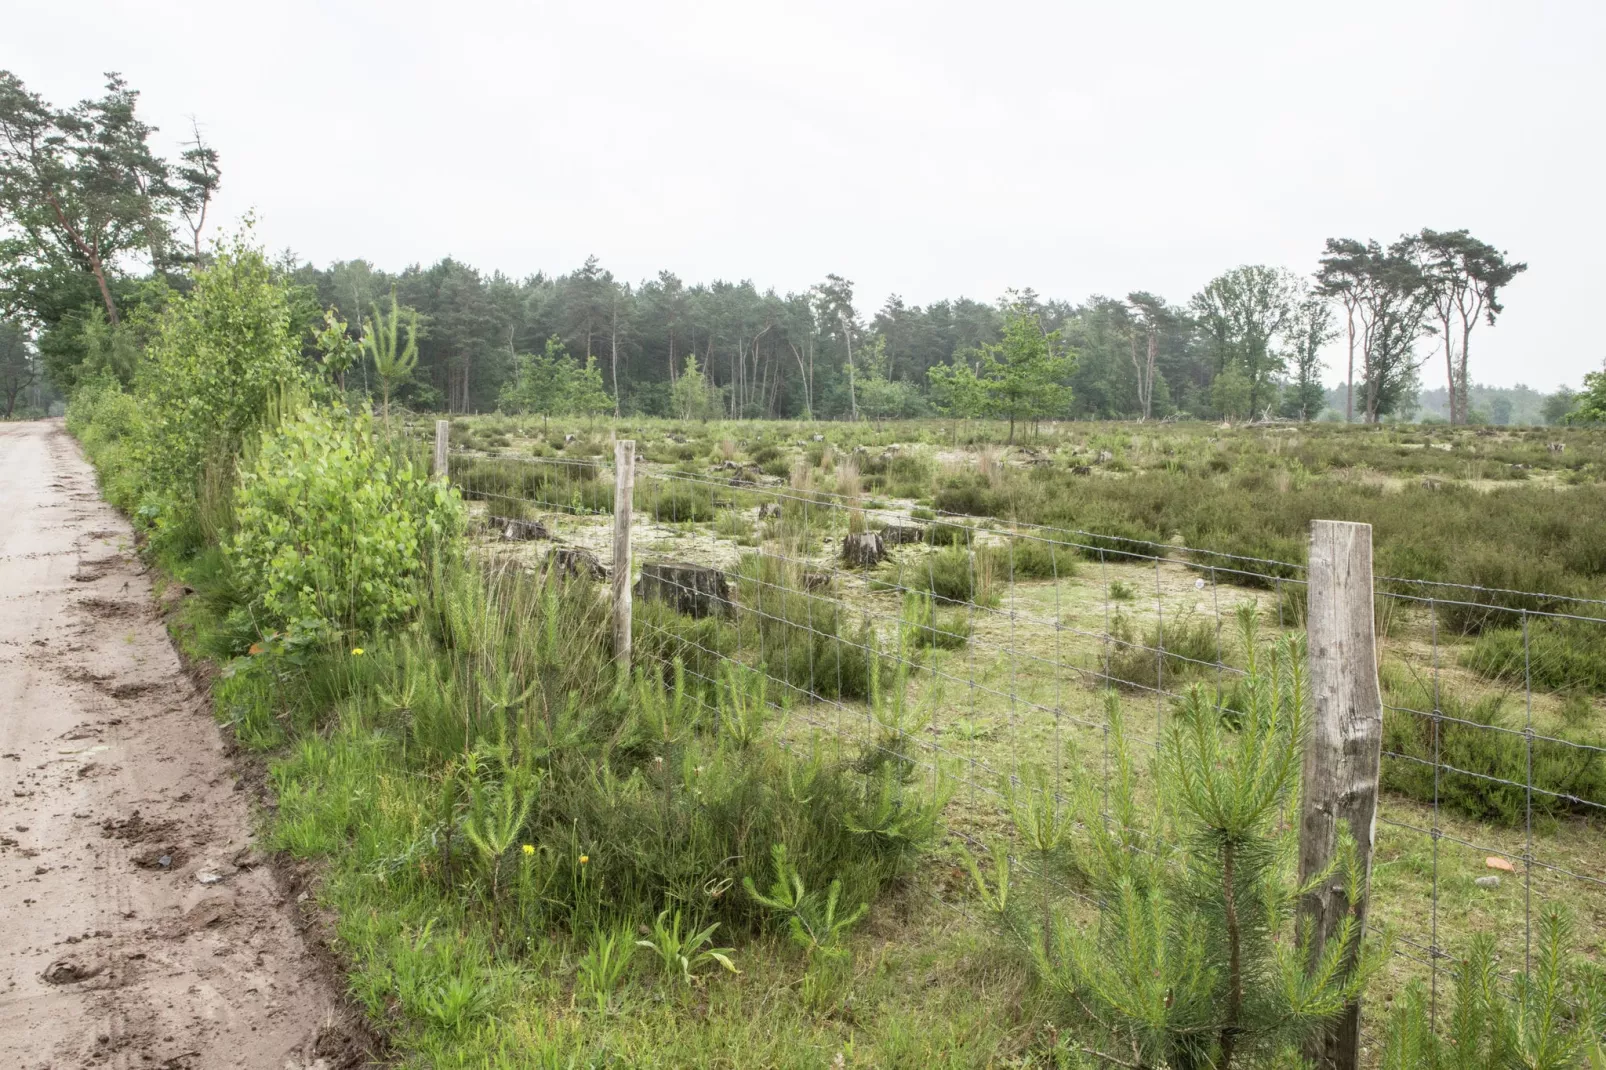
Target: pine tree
<point>1192,960</point>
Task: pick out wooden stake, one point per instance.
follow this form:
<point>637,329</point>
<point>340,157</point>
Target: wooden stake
<point>1343,750</point>
<point>624,482</point>
<point>443,432</point>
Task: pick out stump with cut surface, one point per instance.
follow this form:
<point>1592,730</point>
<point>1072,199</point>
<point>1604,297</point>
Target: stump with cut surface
<point>769,510</point>
<point>575,562</point>
<point>902,534</point>
<point>863,549</point>
<point>695,590</point>
<point>516,530</point>
<point>816,581</point>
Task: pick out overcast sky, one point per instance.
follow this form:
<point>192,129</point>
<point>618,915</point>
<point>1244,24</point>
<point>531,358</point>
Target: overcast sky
<point>929,149</point>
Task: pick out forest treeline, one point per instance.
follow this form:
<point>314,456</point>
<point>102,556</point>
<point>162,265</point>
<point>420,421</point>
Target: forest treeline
<point>98,231</point>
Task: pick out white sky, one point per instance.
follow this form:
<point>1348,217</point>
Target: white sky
<point>932,149</point>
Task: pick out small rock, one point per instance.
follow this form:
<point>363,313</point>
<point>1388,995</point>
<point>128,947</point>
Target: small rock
<point>1496,862</point>
<point>1487,882</point>
<point>208,877</point>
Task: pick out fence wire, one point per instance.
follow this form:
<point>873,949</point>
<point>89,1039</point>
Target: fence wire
<point>1011,635</point>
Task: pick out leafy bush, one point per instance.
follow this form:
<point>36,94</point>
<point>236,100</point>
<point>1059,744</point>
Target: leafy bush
<point>109,422</point>
<point>221,354</point>
<point>332,530</point>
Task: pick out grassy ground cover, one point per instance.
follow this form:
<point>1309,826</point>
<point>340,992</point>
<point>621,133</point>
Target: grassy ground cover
<point>1044,626</point>
<point>529,864</point>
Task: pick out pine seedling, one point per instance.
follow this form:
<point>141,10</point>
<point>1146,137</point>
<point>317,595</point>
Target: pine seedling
<point>1193,959</point>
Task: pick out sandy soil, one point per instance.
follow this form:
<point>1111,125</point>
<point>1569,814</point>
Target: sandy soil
<point>139,926</point>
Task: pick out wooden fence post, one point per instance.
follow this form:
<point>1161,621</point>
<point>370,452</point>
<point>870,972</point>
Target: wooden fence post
<point>1343,749</point>
<point>443,434</point>
<point>624,482</point>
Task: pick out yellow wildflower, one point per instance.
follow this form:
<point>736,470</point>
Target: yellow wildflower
<point>529,848</point>
<point>356,651</point>
<point>584,859</point>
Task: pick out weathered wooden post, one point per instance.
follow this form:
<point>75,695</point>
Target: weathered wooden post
<point>443,434</point>
<point>1343,749</point>
<point>624,482</point>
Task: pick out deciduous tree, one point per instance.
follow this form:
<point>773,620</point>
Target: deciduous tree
<point>19,369</point>
<point>1244,311</point>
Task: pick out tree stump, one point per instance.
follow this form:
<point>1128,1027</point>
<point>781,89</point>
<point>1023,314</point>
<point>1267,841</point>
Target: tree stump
<point>902,534</point>
<point>816,581</point>
<point>769,510</point>
<point>575,562</point>
<point>864,549</point>
<point>695,590</point>
<point>516,530</point>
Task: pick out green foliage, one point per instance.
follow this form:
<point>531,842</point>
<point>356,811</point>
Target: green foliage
<point>682,952</point>
<point>692,397</point>
<point>1183,649</point>
<point>551,383</point>
<point>950,574</point>
<point>1550,1016</point>
<point>1557,655</point>
<point>111,424</point>
<point>802,637</point>
<point>1192,960</point>
<point>1482,754</point>
<point>1031,558</point>
<point>1589,406</point>
<point>924,625</point>
<point>683,504</point>
<point>1230,393</point>
<point>605,963</point>
<point>394,361</point>
<point>332,530</point>
<point>1022,377</point>
<point>220,355</point>
<point>814,922</point>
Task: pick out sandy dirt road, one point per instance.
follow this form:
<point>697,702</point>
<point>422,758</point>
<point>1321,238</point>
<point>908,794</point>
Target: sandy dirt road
<point>138,925</point>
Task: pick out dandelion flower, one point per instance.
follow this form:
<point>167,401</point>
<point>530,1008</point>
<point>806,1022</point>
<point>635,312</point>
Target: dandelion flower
<point>584,859</point>
<point>529,848</point>
<point>356,651</point>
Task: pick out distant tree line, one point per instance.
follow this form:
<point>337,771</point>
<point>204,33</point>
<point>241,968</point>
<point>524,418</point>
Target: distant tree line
<point>96,229</point>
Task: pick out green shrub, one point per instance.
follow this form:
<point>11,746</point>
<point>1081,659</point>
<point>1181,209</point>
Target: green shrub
<point>221,355</point>
<point>683,505</point>
<point>332,530</point>
<point>952,574</point>
<point>948,533</point>
<point>967,496</point>
<point>1032,558</point>
<point>1186,650</point>
<point>1547,1014</point>
<point>801,636</point>
<point>926,626</point>
<point>1483,771</point>
<point>1561,655</point>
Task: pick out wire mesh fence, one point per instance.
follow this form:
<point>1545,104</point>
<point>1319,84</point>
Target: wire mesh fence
<point>982,653</point>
